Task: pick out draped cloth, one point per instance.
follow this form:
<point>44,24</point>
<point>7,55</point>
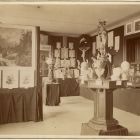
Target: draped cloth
<point>18,105</point>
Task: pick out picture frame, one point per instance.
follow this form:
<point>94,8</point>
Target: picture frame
<point>64,53</point>
<point>71,53</point>
<point>137,25</point>
<point>19,46</point>
<point>129,28</point>
<point>10,78</point>
<point>57,53</point>
<point>27,78</point>
<point>72,62</point>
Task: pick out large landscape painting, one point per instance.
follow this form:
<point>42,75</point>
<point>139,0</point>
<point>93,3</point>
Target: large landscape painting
<point>15,47</point>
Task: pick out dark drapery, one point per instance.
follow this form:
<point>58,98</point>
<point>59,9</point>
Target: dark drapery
<point>131,48</point>
<point>52,94</point>
<point>18,105</point>
<point>69,87</point>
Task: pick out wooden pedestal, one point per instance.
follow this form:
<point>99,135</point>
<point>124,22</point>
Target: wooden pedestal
<point>103,122</point>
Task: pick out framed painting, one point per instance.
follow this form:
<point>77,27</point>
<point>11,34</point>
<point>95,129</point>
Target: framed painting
<point>137,26</point>
<point>27,79</point>
<point>10,78</point>
<point>18,46</point>
<point>129,28</point>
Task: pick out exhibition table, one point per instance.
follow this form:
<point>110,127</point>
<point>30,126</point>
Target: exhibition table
<point>52,94</point>
<point>18,105</point>
<point>69,87</point>
<point>103,122</point>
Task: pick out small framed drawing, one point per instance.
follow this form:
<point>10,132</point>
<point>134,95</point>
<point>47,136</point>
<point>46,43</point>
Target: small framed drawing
<point>26,78</point>
<point>10,78</point>
<point>71,53</point>
<point>62,63</point>
<point>129,28</point>
<point>137,26</point>
<point>64,53</point>
<point>72,62</point>
<point>57,53</point>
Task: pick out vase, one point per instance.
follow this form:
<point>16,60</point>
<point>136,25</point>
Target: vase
<point>99,72</point>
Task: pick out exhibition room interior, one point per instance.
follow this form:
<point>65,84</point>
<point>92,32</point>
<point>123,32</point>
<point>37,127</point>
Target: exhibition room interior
<point>70,69</point>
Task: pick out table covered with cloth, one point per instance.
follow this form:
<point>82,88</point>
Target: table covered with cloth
<point>69,87</point>
<point>18,105</point>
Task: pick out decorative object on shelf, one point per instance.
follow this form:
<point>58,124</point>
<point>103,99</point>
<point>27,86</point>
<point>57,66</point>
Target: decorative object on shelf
<point>57,63</point>
<point>76,73</point>
<point>102,65</point>
<point>116,76</point>
<point>62,63</point>
<point>125,66</point>
<point>84,72</point>
<point>50,62</point>
<point>26,78</point>
<point>137,25</point>
<point>10,78</point>
<point>99,66</point>
<point>84,45</point>
<point>102,33</point>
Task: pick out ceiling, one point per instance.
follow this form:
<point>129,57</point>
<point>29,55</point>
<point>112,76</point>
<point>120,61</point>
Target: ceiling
<point>74,19</point>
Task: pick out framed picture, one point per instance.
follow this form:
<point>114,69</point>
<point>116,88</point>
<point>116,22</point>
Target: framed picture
<point>18,46</point>
<point>57,53</point>
<point>129,28</point>
<point>64,53</point>
<point>71,53</point>
<point>10,78</point>
<point>72,62</point>
<point>137,26</point>
<point>27,78</point>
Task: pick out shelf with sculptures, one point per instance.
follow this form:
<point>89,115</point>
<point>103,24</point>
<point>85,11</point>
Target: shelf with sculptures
<point>101,68</point>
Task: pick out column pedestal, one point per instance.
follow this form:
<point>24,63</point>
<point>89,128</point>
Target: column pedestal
<point>103,122</point>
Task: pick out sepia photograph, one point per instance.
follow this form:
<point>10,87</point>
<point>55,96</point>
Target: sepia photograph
<point>70,70</point>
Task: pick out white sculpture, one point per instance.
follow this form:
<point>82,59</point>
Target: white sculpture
<point>84,52</point>
<point>125,66</point>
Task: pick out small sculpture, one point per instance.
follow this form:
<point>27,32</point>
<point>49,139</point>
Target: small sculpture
<point>102,64</point>
<point>84,52</point>
<point>125,66</point>
<point>116,76</point>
